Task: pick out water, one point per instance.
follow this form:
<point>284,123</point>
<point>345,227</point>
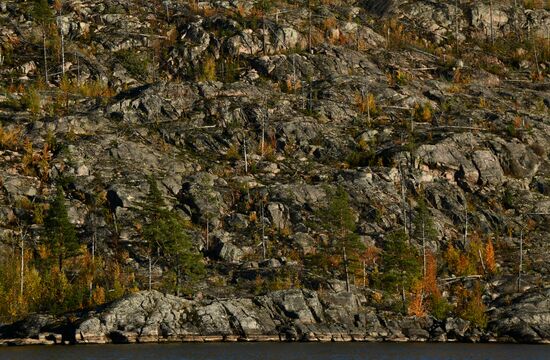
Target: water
<point>281,351</point>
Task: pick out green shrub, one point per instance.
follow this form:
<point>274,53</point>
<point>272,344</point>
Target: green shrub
<point>31,101</point>
<point>137,64</point>
<point>471,306</point>
<point>440,307</point>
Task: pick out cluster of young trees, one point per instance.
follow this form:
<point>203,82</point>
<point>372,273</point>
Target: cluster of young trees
<point>406,265</point>
<point>52,275</point>
<point>57,273</point>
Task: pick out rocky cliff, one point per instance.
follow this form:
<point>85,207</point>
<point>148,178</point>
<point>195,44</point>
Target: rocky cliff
<point>251,115</point>
<point>285,315</point>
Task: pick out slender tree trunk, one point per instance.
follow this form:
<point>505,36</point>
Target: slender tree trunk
<point>536,55</point>
<point>465,224</point>
<point>62,44</point>
<point>424,248</point>
<point>520,267</point>
<point>150,269</point>
<point>482,262</point>
<point>357,39</point>
<point>263,126</point>
<point>264,37</point>
<point>115,220</point>
<point>403,298</point>
<point>309,27</point>
<point>456,26</point>
<point>178,278</point>
<point>245,158</point>
<point>93,255</point>
<point>364,273</point>
<point>93,246</point>
<point>491,20</point>
<point>45,56</point>
<point>264,248</point>
<point>22,273</point>
<point>368,108</point>
<point>77,70</point>
<point>346,270</point>
<point>62,53</point>
<point>515,17</point>
<point>404,202</point>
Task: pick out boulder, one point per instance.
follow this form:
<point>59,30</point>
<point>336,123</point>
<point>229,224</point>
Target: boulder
<point>278,215</point>
<point>525,318</point>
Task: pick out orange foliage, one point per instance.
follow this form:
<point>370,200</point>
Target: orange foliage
<point>370,256</point>
<point>430,279</point>
<point>464,265</point>
<point>417,307</point>
<point>459,263</point>
<point>517,122</point>
<point>490,256</point>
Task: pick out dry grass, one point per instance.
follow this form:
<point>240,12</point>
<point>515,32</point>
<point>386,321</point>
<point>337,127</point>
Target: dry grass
<point>536,4</point>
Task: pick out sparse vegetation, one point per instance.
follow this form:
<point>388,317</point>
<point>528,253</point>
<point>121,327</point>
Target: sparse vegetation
<point>396,151</point>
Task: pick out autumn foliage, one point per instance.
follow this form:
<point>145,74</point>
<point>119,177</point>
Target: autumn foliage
<point>417,307</point>
<point>471,306</point>
<point>490,262</point>
<point>424,291</point>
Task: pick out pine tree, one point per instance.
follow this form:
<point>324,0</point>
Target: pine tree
<point>339,220</point>
<point>166,236</point>
<point>400,263</point>
<point>154,211</point>
<point>59,234</point>
<point>180,253</point>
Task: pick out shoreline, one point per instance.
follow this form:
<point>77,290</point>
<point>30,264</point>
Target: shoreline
<point>56,340</point>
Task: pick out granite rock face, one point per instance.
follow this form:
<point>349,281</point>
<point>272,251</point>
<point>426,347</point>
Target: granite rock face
<point>523,318</point>
<point>286,315</point>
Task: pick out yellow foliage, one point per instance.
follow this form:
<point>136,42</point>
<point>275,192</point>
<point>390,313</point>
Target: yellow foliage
<point>366,104</point>
<point>471,307</point>
<point>423,113</point>
<point>98,296</point>
<point>10,139</point>
<point>95,88</point>
<point>417,307</point>
<point>208,70</point>
<point>233,152</point>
